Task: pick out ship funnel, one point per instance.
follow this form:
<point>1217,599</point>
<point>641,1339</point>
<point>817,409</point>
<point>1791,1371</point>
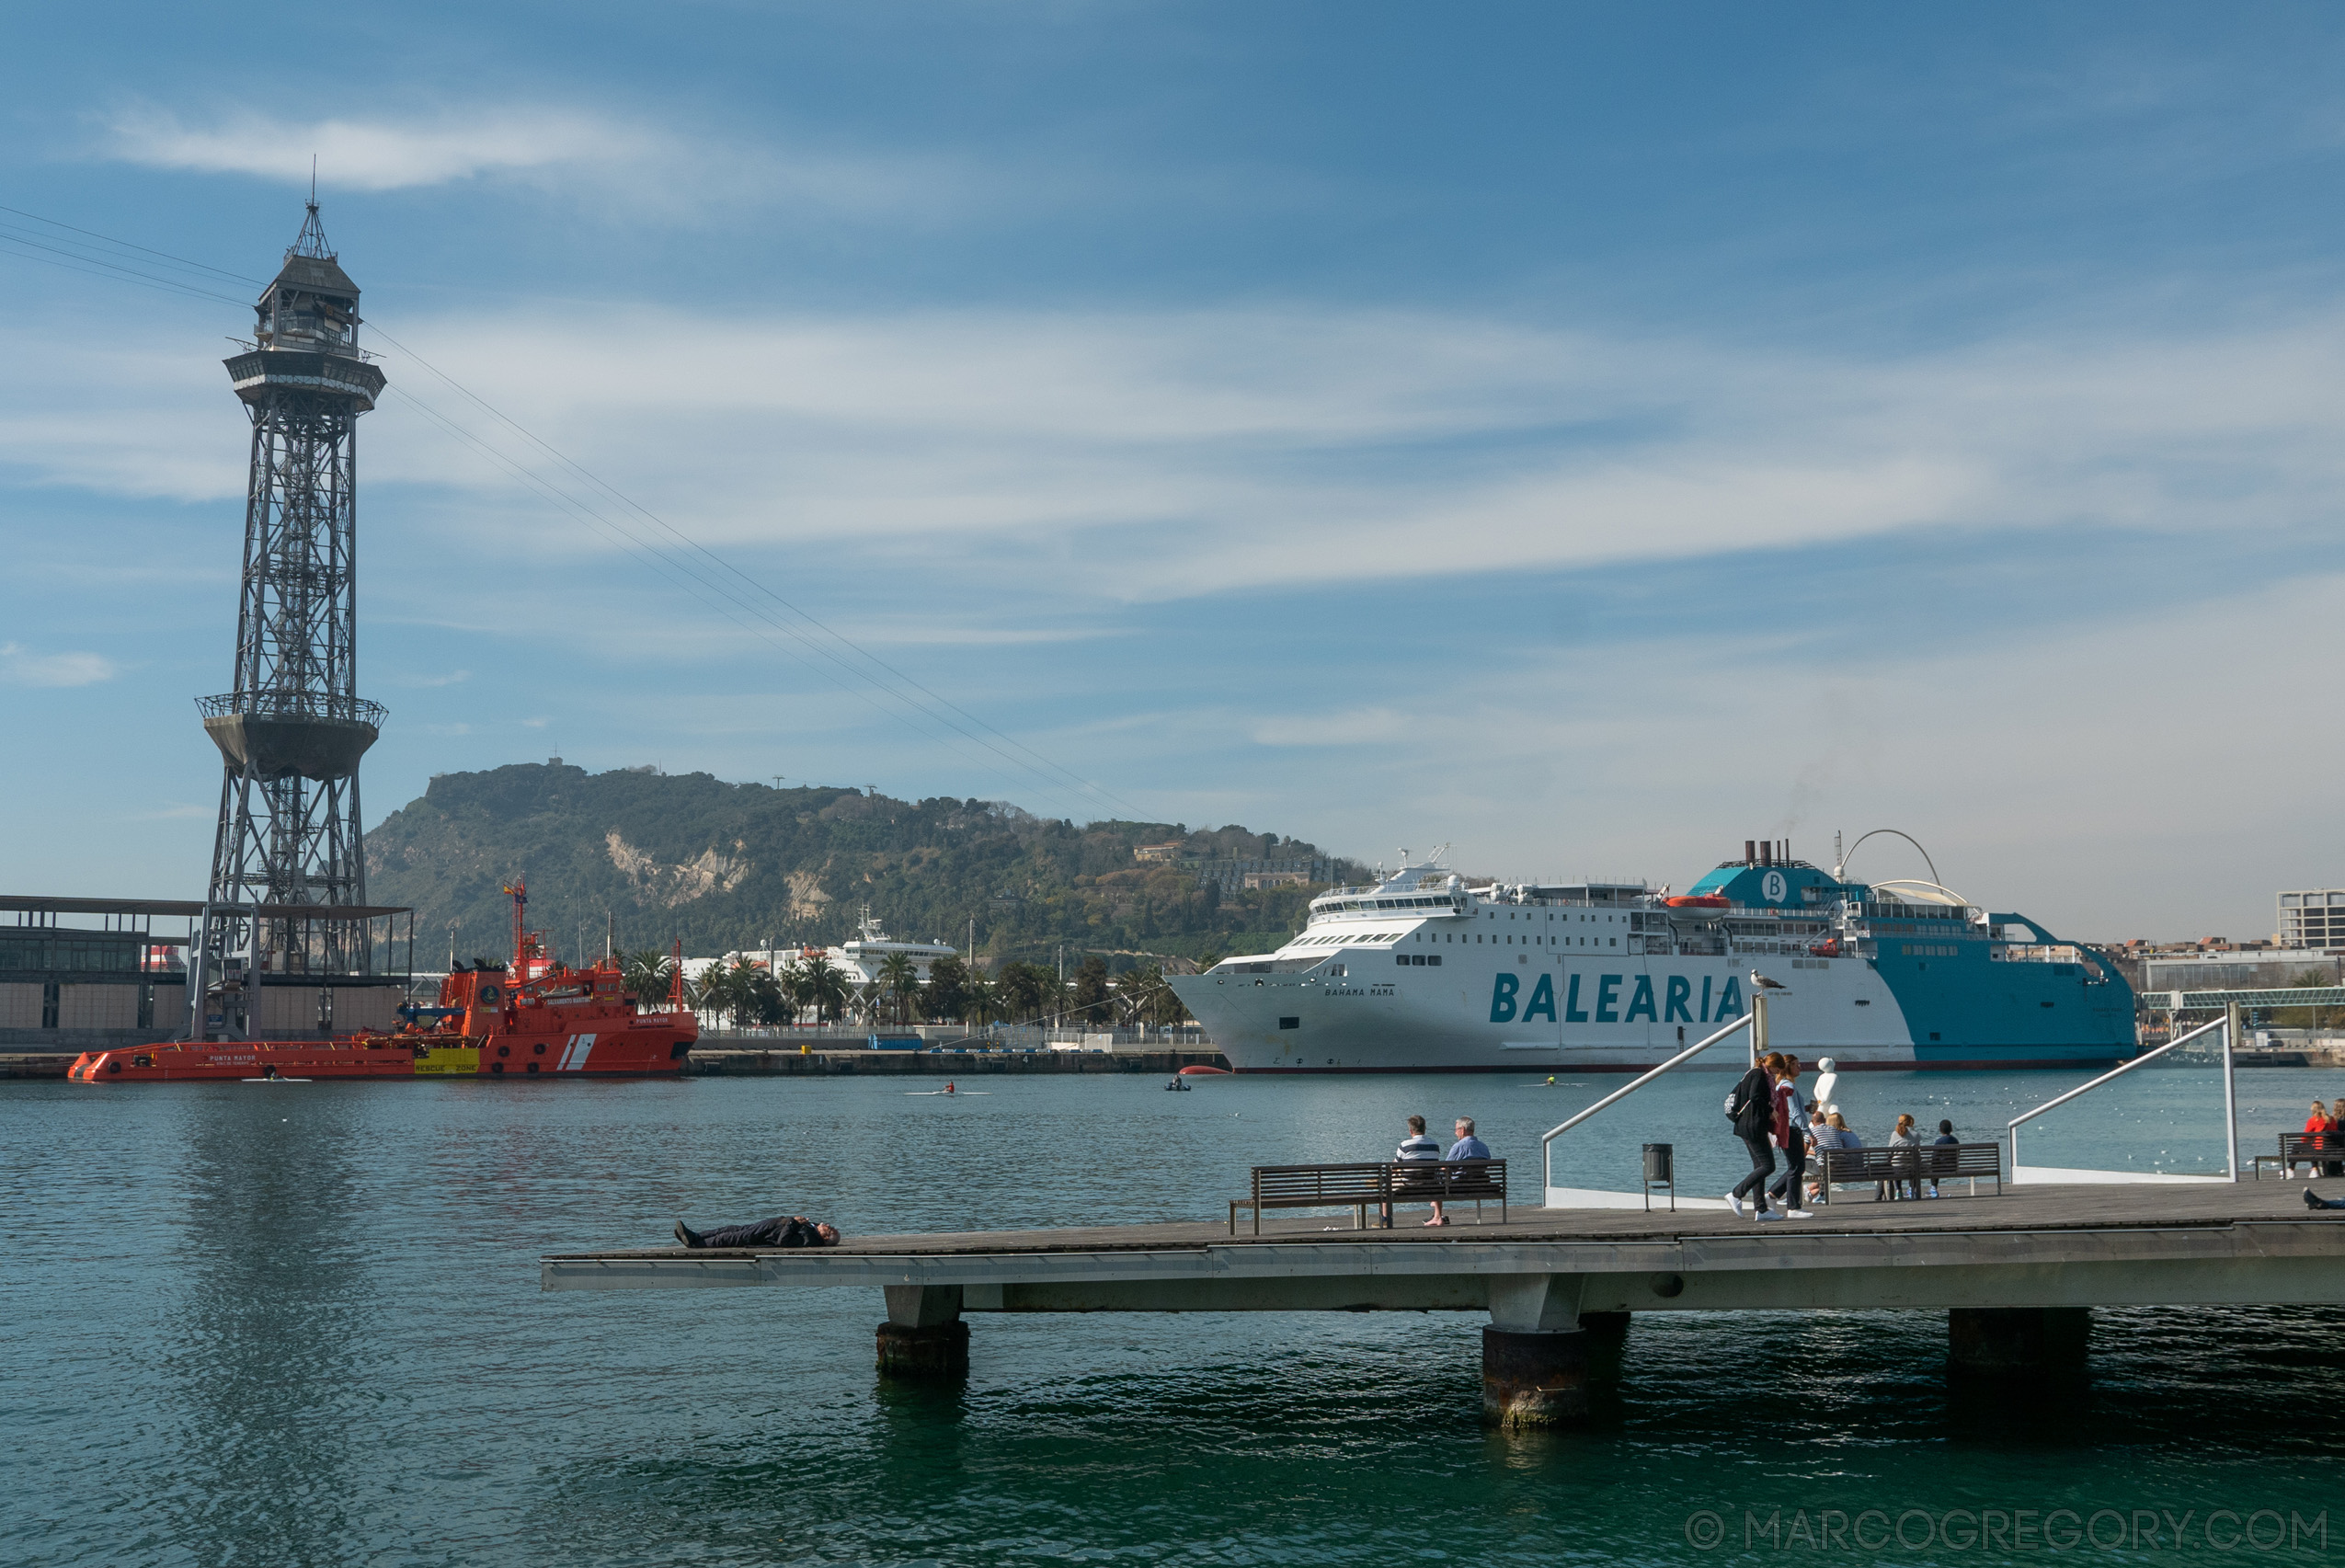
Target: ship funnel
<point>1750,852</point>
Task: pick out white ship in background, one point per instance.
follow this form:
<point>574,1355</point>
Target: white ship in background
<point>1422,973</point>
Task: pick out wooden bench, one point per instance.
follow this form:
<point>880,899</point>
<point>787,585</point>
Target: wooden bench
<point>1893,1168</point>
<point>2318,1149</point>
<point>1379,1186</point>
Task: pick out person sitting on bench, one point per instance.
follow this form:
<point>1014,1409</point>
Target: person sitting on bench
<point>794,1231</point>
<point>1415,1149</point>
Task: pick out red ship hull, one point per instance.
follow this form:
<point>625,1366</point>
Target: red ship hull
<point>647,1048</point>
<point>533,1018</point>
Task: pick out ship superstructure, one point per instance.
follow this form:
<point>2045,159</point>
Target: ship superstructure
<point>1423,973</point>
<point>535,1016</point>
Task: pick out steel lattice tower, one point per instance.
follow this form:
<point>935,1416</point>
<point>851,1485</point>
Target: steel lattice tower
<point>291,732</point>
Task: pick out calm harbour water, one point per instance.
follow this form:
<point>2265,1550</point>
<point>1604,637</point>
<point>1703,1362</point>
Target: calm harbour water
<point>300,1324</point>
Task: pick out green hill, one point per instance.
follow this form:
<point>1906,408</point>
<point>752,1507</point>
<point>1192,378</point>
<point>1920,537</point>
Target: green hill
<point>731,865</point>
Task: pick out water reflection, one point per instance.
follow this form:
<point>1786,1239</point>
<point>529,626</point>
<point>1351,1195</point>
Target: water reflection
<point>264,1357</point>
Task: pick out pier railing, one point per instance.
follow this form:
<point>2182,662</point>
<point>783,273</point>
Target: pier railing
<point>1753,1020</point>
<point>2230,1097</point>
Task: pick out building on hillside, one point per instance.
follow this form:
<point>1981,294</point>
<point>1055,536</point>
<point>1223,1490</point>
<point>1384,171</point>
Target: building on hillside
<point>1232,875</point>
<point>1273,879</point>
<point>1158,853</point>
<point>2313,917</point>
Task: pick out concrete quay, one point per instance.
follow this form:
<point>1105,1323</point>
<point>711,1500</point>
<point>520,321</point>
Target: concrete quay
<point>780,1063</point>
<point>788,1061</point>
<point>2018,1274</point>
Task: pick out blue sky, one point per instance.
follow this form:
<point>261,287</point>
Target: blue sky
<point>1591,437</point>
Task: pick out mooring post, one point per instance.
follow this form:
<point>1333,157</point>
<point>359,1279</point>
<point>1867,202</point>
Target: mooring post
<point>1535,1353</point>
<point>2016,1340</point>
<point>924,1337</point>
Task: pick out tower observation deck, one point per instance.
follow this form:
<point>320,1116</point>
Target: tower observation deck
<point>292,729</point>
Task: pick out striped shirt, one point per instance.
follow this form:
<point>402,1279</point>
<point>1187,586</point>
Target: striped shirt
<point>1417,1145</point>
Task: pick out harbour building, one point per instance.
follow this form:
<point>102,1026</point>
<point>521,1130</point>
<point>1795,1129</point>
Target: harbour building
<point>2313,917</point>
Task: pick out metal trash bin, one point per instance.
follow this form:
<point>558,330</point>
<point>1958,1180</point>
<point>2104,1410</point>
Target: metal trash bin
<point>1661,1162</point>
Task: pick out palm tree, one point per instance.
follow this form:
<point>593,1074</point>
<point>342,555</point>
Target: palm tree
<point>946,993</point>
<point>822,986</point>
<point>646,977</point>
<point>738,994</point>
<point>899,981</point>
<point>769,1003</point>
<point>1140,995</point>
<point>1092,999</point>
<point>1027,991</point>
<point>979,1005</point>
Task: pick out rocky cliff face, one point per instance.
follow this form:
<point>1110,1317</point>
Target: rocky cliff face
<point>655,857</point>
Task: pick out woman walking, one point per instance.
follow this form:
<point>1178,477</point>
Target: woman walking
<point>1791,1123</point>
<point>1751,1107</point>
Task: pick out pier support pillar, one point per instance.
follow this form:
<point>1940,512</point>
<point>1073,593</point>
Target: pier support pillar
<point>1534,1379</point>
<point>1535,1353</point>
<point>2005,1341</point>
<point>924,1338</point>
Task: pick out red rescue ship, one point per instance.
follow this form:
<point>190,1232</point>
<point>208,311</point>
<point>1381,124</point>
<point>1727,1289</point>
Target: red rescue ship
<point>535,1017</point>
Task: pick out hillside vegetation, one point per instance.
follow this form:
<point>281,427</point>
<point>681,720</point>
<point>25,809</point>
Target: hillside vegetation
<point>727,866</point>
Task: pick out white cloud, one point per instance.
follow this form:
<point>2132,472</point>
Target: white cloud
<point>650,166</point>
<point>20,665</point>
<point>1354,727</point>
<point>1156,456</point>
<point>1161,456</point>
<point>354,154</point>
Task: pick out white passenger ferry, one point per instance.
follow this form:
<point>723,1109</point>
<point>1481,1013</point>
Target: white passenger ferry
<point>1422,973</point>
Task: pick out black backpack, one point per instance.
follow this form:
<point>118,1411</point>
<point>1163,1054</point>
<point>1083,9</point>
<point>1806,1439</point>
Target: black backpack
<point>1744,1102</point>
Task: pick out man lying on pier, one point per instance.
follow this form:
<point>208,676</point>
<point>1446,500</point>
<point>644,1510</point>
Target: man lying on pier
<point>796,1230</point>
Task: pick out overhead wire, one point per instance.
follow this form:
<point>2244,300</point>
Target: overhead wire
<point>694,545</point>
<point>873,672</point>
<point>682,576</point>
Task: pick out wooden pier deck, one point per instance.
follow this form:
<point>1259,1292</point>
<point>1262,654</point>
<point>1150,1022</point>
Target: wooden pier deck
<point>2017,1271</point>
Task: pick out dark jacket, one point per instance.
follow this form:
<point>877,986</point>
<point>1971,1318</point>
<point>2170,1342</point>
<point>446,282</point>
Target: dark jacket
<point>1755,1095</point>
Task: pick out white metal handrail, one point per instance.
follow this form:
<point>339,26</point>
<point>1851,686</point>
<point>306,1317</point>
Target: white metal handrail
<point>2230,1104</point>
<point>1547,1141</point>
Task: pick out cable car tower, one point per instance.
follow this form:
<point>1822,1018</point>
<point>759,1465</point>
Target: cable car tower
<point>288,855</point>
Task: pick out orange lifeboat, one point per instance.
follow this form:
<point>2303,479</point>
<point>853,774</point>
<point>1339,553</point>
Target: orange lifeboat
<point>1699,901</point>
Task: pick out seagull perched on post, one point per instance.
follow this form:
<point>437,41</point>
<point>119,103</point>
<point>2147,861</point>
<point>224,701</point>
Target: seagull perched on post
<point>1760,982</point>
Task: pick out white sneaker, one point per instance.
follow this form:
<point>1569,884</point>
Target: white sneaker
<point>1735,1204</point>
<point>1767,1214</point>
<point>1798,1214</point>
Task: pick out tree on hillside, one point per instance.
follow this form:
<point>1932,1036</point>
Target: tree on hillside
<point>948,987</point>
<point>900,982</point>
<point>1091,1001</point>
